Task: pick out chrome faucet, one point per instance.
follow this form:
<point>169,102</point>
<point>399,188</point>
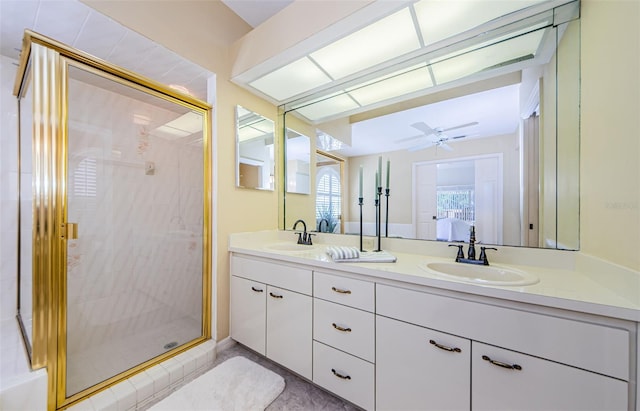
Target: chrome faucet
<point>303,237</point>
<point>471,253</point>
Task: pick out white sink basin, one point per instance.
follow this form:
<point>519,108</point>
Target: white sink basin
<point>290,247</point>
<point>481,274</point>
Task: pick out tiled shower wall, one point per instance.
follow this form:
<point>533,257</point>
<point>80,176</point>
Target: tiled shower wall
<point>135,271</point>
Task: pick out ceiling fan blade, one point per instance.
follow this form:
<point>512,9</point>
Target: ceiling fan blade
<point>461,126</point>
<point>456,137</point>
<point>422,126</point>
<point>445,147</point>
<point>402,140</point>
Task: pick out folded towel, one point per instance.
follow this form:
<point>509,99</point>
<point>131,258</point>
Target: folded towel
<point>343,254</point>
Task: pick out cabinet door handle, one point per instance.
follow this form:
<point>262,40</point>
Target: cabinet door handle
<point>502,364</point>
<point>337,327</point>
<point>340,291</point>
<point>275,295</point>
<point>444,347</point>
<point>257,289</point>
<point>337,374</point>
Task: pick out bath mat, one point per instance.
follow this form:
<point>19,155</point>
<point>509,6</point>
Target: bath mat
<point>238,384</point>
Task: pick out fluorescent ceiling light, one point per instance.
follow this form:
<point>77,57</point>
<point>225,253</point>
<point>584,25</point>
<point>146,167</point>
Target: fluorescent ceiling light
<point>328,107</point>
<point>439,19</point>
<point>394,85</point>
<point>295,78</point>
<point>248,133</point>
<point>452,68</point>
<point>381,41</point>
<point>185,125</point>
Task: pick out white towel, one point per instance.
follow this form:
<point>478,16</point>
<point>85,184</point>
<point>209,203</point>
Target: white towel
<point>343,254</point>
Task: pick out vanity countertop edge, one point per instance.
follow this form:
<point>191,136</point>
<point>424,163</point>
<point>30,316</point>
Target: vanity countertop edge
<point>561,288</point>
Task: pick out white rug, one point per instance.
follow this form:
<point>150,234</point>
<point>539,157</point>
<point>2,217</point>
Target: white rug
<point>237,384</point>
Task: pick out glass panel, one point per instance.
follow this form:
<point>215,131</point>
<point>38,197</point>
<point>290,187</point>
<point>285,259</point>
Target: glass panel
<point>135,190</point>
<point>298,162</point>
<point>255,150</point>
<point>25,307</point>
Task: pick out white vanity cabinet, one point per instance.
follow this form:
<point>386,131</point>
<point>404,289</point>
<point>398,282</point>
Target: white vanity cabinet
<point>519,360</point>
<point>271,311</point>
<point>507,380</point>
<point>420,369</point>
<point>344,337</point>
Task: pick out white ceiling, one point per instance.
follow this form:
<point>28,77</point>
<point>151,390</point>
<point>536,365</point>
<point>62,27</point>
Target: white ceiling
<point>255,12</point>
<point>76,24</point>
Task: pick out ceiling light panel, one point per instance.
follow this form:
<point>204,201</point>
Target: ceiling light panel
<point>439,19</point>
<point>381,41</point>
<point>329,107</point>
<point>294,78</point>
<point>453,68</point>
<point>395,85</point>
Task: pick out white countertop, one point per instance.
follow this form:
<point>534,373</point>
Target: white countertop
<point>568,280</point>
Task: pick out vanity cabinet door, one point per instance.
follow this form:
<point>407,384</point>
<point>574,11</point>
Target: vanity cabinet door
<point>289,324</point>
<point>507,380</point>
<point>420,369</point>
<point>247,313</point>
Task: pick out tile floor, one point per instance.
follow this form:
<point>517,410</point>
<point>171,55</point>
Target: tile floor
<point>298,394</point>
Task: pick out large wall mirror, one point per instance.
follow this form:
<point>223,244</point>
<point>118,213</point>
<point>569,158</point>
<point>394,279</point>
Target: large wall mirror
<point>255,162</point>
<point>490,138</point>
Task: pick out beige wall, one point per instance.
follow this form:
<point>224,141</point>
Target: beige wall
<point>610,131</point>
<point>610,124</point>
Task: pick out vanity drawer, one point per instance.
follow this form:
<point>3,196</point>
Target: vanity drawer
<point>594,347</point>
<point>276,274</point>
<point>343,290</point>
<point>507,380</point>
<point>344,328</point>
<point>345,375</point>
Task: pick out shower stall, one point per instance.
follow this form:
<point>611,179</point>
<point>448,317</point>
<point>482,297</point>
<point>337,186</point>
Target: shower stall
<point>114,239</point>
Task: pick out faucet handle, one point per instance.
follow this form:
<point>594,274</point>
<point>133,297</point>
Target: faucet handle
<point>460,254</point>
<point>483,254</point>
<point>308,242</point>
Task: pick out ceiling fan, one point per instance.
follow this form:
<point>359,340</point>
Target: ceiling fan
<point>440,138</point>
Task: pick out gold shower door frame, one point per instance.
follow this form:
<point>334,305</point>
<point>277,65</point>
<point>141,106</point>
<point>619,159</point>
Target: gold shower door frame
<point>49,61</point>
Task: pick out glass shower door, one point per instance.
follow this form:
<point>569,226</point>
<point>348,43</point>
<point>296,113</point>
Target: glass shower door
<point>135,213</point>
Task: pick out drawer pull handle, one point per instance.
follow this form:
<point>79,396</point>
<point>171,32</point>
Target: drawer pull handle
<point>502,364</point>
<point>337,374</point>
<point>275,295</point>
<point>257,290</point>
<point>444,347</point>
<point>337,327</point>
<point>338,290</point>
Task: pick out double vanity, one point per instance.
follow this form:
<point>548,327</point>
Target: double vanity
<point>428,333</point>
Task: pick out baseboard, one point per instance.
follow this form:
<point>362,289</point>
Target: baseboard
<point>224,344</point>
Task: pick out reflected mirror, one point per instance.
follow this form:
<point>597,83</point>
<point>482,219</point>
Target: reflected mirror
<point>298,157</point>
<point>254,150</point>
<point>495,147</point>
